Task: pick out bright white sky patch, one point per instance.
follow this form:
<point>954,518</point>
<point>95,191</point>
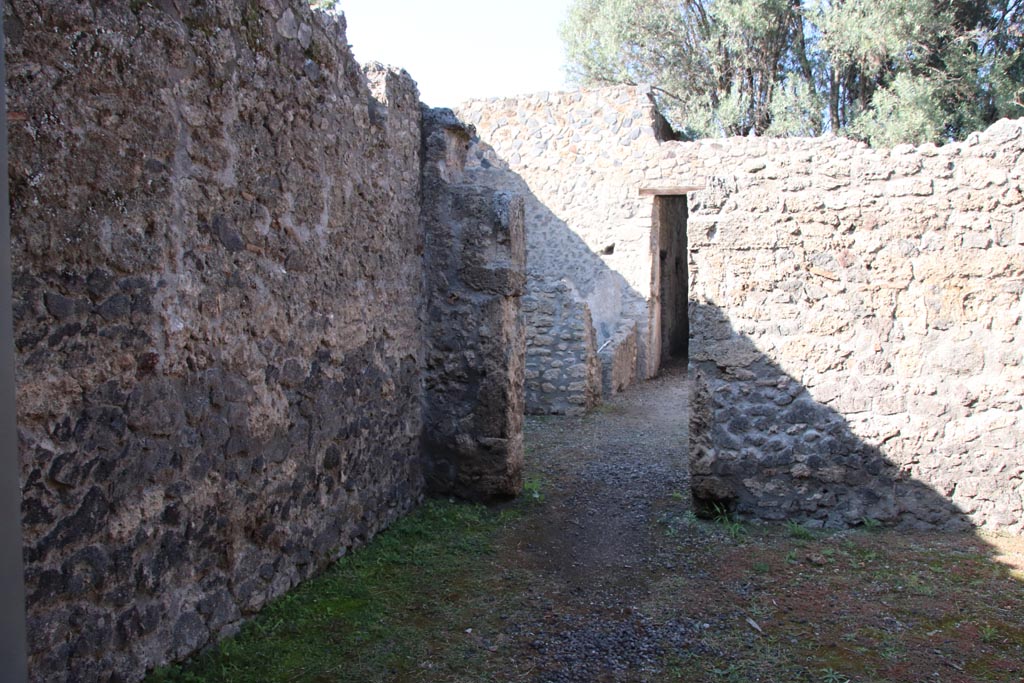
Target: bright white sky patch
<point>463,49</point>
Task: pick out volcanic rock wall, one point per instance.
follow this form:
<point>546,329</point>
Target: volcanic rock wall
<point>476,256</point>
<point>220,317</point>
<point>563,371</point>
<point>855,313</point>
<point>578,159</point>
<point>858,315</point>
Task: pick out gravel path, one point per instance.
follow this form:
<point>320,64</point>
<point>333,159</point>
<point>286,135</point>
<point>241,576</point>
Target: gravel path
<point>609,480</point>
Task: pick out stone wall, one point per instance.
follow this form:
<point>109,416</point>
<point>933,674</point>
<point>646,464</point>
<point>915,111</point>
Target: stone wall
<point>475,254</point>
<point>220,318</point>
<point>579,159</point>
<point>619,359</point>
<point>856,312</point>
<point>563,372</point>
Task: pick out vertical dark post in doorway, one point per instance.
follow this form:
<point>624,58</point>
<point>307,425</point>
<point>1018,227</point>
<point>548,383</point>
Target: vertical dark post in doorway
<point>13,667</point>
<point>671,214</point>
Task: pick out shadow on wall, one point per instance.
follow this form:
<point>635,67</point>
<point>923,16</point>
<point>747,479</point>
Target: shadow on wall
<point>761,446</point>
<point>585,325</point>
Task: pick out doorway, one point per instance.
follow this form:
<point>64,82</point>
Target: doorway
<point>671,213</point>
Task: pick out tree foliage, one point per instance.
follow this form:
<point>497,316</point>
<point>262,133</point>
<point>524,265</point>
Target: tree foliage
<point>324,5</point>
<point>883,70</point>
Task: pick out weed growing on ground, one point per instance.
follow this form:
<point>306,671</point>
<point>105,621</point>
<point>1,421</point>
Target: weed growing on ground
<point>533,489</point>
<point>870,523</point>
<point>723,518</point>
<point>833,676</point>
<point>798,531</point>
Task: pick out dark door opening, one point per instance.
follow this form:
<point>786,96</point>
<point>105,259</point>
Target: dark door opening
<point>671,213</point>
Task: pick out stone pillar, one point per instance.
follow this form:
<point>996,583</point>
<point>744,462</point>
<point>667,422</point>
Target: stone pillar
<point>475,276</point>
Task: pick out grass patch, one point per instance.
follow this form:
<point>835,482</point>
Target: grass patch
<point>798,531</point>
<point>727,522</point>
<point>533,489</point>
<point>383,613</point>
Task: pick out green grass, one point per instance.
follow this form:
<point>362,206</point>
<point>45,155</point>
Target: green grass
<point>377,615</point>
<point>798,531</point>
<point>533,489</point>
<point>833,676</point>
<point>724,519</point>
<point>870,524</point>
<point>439,597</point>
<point>989,634</point>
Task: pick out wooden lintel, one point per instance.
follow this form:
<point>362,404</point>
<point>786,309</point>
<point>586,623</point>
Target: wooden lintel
<point>673,190</point>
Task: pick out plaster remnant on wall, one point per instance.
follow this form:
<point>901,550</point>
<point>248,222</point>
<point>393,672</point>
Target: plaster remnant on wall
<point>619,359</point>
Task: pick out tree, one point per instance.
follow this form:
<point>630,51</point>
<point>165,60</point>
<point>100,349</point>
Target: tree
<point>882,70</point>
<point>325,5</point>
<point>716,70</point>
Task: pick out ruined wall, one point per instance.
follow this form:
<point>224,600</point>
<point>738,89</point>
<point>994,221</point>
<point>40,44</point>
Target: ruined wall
<point>563,371</point>
<point>858,313</point>
<point>475,255</point>
<point>618,357</point>
<point>218,282</point>
<point>579,159</point>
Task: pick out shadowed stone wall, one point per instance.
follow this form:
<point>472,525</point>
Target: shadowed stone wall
<point>579,159</point>
<point>856,313</point>
<point>884,287</point>
<point>476,254</point>
<point>563,371</point>
<point>220,318</point>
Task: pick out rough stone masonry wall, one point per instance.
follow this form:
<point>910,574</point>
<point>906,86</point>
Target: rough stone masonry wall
<point>618,359</point>
<point>858,316</point>
<point>563,371</point>
<point>218,298</point>
<point>476,258</point>
<point>856,313</point>
<point>579,159</point>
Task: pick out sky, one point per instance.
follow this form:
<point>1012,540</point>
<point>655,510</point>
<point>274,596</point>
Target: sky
<point>463,49</point>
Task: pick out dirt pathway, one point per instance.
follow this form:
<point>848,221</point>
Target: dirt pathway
<point>601,573</point>
<point>609,482</point>
<point>614,579</point>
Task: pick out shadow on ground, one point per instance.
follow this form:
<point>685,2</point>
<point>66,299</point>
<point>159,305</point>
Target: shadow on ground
<point>762,447</point>
<point>601,572</point>
<point>624,583</point>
